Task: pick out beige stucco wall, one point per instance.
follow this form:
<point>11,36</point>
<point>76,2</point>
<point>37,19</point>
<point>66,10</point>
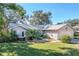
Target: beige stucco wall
<point>52,34</point>
<point>66,30</point>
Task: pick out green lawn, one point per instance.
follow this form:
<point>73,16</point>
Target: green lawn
<point>38,49</point>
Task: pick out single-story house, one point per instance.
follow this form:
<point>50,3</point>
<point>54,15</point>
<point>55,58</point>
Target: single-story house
<point>20,28</point>
<point>57,31</point>
<point>53,31</point>
<point>20,31</point>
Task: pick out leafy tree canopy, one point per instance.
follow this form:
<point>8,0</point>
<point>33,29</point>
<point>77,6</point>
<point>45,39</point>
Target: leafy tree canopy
<point>72,22</point>
<point>4,8</point>
<point>41,18</point>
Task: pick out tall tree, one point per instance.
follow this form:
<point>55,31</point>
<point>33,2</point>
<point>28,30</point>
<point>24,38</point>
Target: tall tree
<point>5,7</point>
<point>40,18</point>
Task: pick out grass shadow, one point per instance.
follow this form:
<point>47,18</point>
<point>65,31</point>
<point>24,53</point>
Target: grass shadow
<point>70,51</point>
<point>22,49</point>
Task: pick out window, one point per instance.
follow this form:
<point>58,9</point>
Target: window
<point>22,33</point>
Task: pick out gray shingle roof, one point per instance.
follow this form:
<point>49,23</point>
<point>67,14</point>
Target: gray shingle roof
<point>39,27</point>
<point>50,27</point>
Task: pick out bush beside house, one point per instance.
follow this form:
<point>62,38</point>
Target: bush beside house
<point>32,34</point>
<point>65,39</point>
<point>76,36</point>
<point>3,36</point>
<point>8,36</point>
<point>13,36</point>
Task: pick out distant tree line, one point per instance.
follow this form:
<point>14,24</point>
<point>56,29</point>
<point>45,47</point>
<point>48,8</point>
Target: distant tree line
<point>72,22</point>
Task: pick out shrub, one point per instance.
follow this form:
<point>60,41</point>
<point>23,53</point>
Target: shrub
<point>8,36</point>
<point>76,36</point>
<point>44,36</point>
<point>30,34</point>
<point>34,34</point>
<point>65,39</point>
<point>13,36</point>
<point>4,36</point>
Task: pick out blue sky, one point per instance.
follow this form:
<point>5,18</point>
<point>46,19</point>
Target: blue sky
<point>60,12</point>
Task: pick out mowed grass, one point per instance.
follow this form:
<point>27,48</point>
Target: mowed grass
<point>39,49</point>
